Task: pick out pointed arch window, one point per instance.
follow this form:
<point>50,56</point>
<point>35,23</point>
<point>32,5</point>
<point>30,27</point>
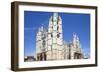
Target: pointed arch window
<point>57,27</point>
<point>58,35</point>
<point>51,35</point>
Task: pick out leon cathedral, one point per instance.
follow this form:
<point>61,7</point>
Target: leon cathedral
<point>50,44</point>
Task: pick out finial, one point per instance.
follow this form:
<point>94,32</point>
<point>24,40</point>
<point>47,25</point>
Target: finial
<point>74,35</point>
<point>55,14</point>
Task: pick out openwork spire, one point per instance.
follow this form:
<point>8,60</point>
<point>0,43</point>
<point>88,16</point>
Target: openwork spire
<point>55,14</point>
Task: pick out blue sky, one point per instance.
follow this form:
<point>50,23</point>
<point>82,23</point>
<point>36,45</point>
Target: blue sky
<point>71,23</point>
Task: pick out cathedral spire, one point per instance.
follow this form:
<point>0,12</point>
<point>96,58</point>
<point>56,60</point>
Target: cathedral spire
<point>55,14</point>
<point>74,38</point>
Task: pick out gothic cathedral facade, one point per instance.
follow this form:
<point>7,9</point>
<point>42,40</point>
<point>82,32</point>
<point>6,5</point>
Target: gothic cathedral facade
<point>50,44</point>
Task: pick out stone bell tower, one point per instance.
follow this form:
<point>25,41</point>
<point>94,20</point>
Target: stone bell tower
<point>76,50</point>
<point>55,38</point>
<point>41,44</point>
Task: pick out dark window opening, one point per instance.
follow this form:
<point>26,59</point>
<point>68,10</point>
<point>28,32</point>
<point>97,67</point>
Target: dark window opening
<point>57,20</point>
<point>44,56</point>
<point>43,43</point>
<point>51,35</point>
<point>57,27</point>
<point>41,57</point>
<point>58,36</point>
<point>77,56</point>
<point>52,27</point>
